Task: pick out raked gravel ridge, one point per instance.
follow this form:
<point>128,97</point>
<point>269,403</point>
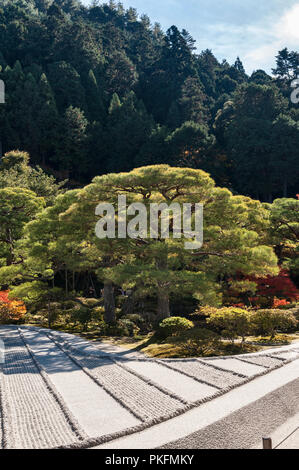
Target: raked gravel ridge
<point>59,391</point>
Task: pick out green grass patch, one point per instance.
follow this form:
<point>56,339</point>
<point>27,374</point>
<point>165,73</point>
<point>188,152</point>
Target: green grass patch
<point>279,340</point>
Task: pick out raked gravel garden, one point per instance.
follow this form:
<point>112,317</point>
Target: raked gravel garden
<point>60,391</point>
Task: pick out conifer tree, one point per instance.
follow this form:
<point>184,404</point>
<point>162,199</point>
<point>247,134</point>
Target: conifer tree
<point>235,235</point>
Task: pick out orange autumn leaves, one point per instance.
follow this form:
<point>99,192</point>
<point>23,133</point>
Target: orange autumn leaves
<point>11,310</point>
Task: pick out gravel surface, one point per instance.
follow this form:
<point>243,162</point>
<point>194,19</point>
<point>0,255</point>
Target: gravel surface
<point>78,390</point>
<point>187,388</point>
<point>33,416</point>
<point>205,373</point>
<point>264,361</point>
<point>232,364</point>
<point>245,428</point>
<point>57,390</point>
<point>146,402</point>
<point>291,441</point>
<point>287,356</point>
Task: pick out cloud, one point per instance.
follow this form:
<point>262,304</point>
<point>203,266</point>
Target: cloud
<point>287,29</point>
<point>255,30</point>
<point>281,33</point>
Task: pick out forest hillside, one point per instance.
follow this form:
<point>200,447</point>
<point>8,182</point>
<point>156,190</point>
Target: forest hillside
<point>100,89</point>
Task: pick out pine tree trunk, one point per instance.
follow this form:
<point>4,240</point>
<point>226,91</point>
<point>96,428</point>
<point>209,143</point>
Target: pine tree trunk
<point>163,304</point>
<point>128,305</point>
<point>10,256</point>
<point>109,304</point>
<point>66,282</point>
<point>49,316</point>
<point>163,310</point>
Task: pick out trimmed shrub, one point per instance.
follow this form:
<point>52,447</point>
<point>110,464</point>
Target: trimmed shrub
<point>200,342</point>
<point>289,306</point>
<point>129,326</point>
<point>172,326</point>
<point>87,302</point>
<point>82,315</point>
<point>206,311</point>
<point>141,324</point>
<point>97,313</point>
<point>231,322</point>
<point>122,327</point>
<point>295,312</point>
<point>135,318</point>
<point>270,321</point>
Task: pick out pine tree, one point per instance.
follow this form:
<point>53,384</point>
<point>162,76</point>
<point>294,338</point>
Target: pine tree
<point>239,66</point>
<point>235,232</point>
<point>121,74</point>
<point>193,102</point>
<point>16,172</point>
<point>94,99</point>
<point>287,65</point>
<point>73,142</point>
<point>18,206</point>
<point>285,142</point>
<point>115,103</point>
<point>128,129</point>
<point>47,120</point>
<point>174,118</point>
<point>260,77</point>
<point>249,138</point>
<point>22,118</point>
<point>67,86</point>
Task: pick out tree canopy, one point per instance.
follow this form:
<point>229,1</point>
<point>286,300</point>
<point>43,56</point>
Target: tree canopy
<point>99,88</point>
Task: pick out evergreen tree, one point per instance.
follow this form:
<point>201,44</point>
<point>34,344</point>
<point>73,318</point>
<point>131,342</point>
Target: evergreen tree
<point>120,75</point>
<point>285,142</point>
<point>94,99</point>
<point>73,143</point>
<point>194,102</point>
<point>249,139</point>
<point>67,86</point>
<point>18,206</point>
<point>260,77</point>
<point>115,104</point>
<point>46,116</point>
<point>16,172</point>
<point>235,235</point>
<point>188,145</point>
<point>239,66</point>
<point>284,232</point>
<point>128,129</point>
<point>287,65</point>
<point>174,118</point>
<point>58,54</point>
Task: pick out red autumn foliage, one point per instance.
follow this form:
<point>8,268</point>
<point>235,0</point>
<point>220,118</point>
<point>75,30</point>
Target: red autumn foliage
<point>271,292</point>
<point>280,286</point>
<point>280,302</point>
<point>4,296</point>
<point>279,290</point>
<point>11,310</point>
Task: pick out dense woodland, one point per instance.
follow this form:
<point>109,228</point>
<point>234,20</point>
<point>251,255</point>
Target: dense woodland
<point>99,89</point>
<point>99,102</point>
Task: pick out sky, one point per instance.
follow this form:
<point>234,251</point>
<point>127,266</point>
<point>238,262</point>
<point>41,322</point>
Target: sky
<point>255,30</point>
